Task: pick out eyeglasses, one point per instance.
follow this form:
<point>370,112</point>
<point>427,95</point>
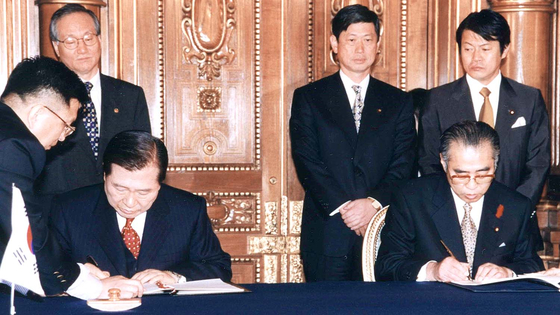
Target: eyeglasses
<point>68,130</point>
<point>465,179</point>
<point>70,42</point>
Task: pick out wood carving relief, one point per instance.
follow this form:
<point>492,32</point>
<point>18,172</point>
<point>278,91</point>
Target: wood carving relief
<point>213,87</point>
<point>208,26</point>
<point>233,212</point>
<point>209,99</point>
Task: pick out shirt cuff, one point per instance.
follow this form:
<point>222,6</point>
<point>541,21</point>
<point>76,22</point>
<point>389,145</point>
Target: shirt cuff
<point>337,210</point>
<point>422,273</point>
<point>376,204</point>
<point>86,286</point>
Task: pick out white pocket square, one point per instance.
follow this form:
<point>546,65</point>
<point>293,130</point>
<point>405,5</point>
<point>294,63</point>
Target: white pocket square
<point>502,245</point>
<point>520,122</point>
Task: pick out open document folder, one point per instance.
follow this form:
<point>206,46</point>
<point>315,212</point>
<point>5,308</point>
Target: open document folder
<point>530,282</point>
<point>210,286</point>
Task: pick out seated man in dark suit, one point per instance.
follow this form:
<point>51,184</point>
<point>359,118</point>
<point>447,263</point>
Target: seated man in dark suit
<point>40,102</point>
<point>135,226</point>
<point>484,224</point>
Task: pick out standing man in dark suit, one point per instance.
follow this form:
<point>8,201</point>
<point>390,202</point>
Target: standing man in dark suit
<point>484,224</point>
<point>137,227</point>
<point>352,141</point>
<point>516,111</point>
<point>114,106</point>
<point>38,106</point>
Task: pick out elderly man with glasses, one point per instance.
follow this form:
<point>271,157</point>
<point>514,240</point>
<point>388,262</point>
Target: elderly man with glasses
<point>462,224</point>
<point>113,106</point>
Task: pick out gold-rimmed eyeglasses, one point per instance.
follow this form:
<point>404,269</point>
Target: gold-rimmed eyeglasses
<point>68,130</point>
<point>465,179</point>
<point>71,43</point>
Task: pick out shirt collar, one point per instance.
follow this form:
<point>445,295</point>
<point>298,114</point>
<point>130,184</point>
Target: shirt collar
<point>95,80</point>
<point>348,83</point>
<point>493,86</point>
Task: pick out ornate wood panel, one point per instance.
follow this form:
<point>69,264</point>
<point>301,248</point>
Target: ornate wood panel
<point>219,77</point>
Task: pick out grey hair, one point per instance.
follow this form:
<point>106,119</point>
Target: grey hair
<point>471,134</point>
<point>67,10</point>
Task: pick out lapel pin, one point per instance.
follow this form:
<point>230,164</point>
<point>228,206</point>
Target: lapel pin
<point>500,211</point>
<point>379,110</point>
<point>511,112</point>
<point>496,229</point>
<point>116,110</point>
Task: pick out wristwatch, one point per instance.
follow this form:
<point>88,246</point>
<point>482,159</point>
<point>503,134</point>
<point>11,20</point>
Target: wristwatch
<point>375,204</point>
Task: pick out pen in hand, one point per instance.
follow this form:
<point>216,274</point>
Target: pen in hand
<point>453,256</point>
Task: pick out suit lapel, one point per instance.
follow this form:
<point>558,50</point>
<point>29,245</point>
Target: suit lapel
<point>374,107</point>
<point>340,109</point>
<point>507,106</point>
<point>156,230</point>
<point>489,229</point>
<point>446,221</point>
<point>109,117</point>
<point>462,104</point>
<point>106,229</point>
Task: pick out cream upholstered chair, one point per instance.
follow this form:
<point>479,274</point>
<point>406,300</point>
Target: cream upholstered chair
<point>372,240</point>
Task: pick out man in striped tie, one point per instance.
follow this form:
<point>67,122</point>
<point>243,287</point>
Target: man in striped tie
<point>135,226</point>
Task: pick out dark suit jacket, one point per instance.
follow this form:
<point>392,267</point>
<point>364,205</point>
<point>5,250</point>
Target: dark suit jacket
<point>177,235</point>
<point>21,160</point>
<point>71,164</point>
<point>424,212</point>
<point>524,151</point>
<point>335,164</point>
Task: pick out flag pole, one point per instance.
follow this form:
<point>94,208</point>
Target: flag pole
<point>12,293</point>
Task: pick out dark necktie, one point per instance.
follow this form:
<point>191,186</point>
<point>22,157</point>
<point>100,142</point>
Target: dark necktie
<point>358,106</point>
<point>131,238</point>
<point>90,122</point>
<point>486,113</point>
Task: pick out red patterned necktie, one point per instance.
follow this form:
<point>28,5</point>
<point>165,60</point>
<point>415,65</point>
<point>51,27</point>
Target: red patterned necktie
<point>131,238</point>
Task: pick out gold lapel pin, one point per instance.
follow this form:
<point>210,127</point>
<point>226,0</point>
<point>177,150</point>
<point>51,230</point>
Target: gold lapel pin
<point>116,110</point>
<point>496,229</point>
<point>379,110</point>
<point>511,112</point>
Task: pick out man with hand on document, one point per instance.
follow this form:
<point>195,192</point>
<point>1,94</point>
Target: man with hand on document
<point>461,224</point>
<point>135,226</point>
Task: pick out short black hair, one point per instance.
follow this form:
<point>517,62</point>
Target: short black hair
<point>69,9</point>
<point>470,134</point>
<point>489,25</point>
<point>133,150</point>
<point>37,74</point>
<point>351,14</point>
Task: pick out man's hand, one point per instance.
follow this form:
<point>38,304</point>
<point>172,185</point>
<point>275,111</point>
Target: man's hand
<point>551,272</point>
<point>357,214</point>
<point>449,269</point>
<point>154,275</point>
<point>491,271</point>
<point>129,288</point>
<point>96,272</point>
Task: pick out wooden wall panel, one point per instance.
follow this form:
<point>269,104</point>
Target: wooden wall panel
<point>18,34</point>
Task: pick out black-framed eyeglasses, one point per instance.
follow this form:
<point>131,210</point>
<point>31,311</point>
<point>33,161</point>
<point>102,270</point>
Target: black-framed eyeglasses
<point>465,179</point>
<point>68,130</point>
<point>71,43</point>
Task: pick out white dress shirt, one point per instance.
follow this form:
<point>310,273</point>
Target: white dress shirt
<point>476,214</point>
<point>478,99</point>
<point>348,83</point>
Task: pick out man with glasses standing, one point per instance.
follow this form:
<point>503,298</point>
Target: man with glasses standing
<point>461,224</point>
<point>114,105</point>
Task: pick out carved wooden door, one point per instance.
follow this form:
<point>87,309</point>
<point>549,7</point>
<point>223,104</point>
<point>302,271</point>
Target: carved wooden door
<point>225,131</point>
